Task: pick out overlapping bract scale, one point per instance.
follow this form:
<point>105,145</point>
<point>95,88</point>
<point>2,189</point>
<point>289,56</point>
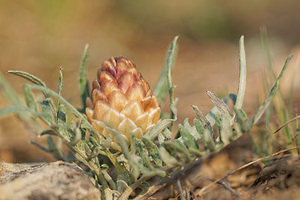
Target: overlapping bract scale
<point>122,99</point>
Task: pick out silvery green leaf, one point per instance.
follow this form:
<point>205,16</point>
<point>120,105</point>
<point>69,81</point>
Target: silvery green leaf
<point>14,109</point>
<point>206,136</point>
<point>188,139</point>
<point>60,82</point>
<point>191,129</point>
<point>163,84</point>
<point>143,153</point>
<point>220,104</point>
<point>76,137</point>
<point>60,85</point>
<point>166,134</point>
<point>173,109</point>
<point>203,121</point>
<point>200,129</point>
<point>242,75</point>
<point>225,129</point>
<point>81,145</point>
<point>133,143</point>
<point>83,79</point>
<point>241,118</point>
<point>158,128</point>
<point>28,76</point>
<point>167,158</point>
<point>161,138</point>
<point>46,111</point>
<point>68,106</point>
<point>13,98</point>
<point>212,113</point>
<point>120,140</point>
<point>179,151</point>
<point>8,91</point>
<point>29,98</point>
<point>66,130</point>
<point>61,114</point>
<point>153,151</point>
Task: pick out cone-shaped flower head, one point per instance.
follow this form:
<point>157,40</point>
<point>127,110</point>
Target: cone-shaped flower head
<point>123,99</point>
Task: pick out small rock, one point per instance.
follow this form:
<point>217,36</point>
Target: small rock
<point>45,181</point>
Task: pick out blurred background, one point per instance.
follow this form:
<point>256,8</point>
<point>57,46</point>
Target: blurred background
<point>40,36</point>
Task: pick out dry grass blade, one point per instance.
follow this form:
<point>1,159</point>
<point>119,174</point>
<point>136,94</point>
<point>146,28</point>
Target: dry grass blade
<point>202,191</point>
<point>286,123</point>
<point>180,189</point>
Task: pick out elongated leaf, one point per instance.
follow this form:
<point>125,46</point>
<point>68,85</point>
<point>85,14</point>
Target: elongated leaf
<point>220,104</point>
<point>146,164</point>
<point>178,151</point>
<point>35,80</point>
<point>14,109</point>
<point>63,127</point>
<point>204,121</point>
<point>241,118</point>
<point>46,111</point>
<point>12,96</point>
<point>163,85</point>
<point>60,83</point>
<point>223,118</point>
<point>242,76</point>
<point>158,128</point>
<point>61,114</point>
<point>29,98</point>
<point>28,76</point>
<point>206,136</point>
<point>9,92</point>
<point>260,111</point>
<point>225,129</point>
<point>212,113</point>
<point>120,139</point>
<point>76,137</point>
<point>167,157</point>
<point>166,134</point>
<point>153,150</point>
<point>77,114</point>
<point>173,109</point>
<point>191,129</point>
<point>83,80</point>
<point>188,139</point>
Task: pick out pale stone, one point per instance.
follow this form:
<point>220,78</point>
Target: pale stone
<point>57,180</point>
